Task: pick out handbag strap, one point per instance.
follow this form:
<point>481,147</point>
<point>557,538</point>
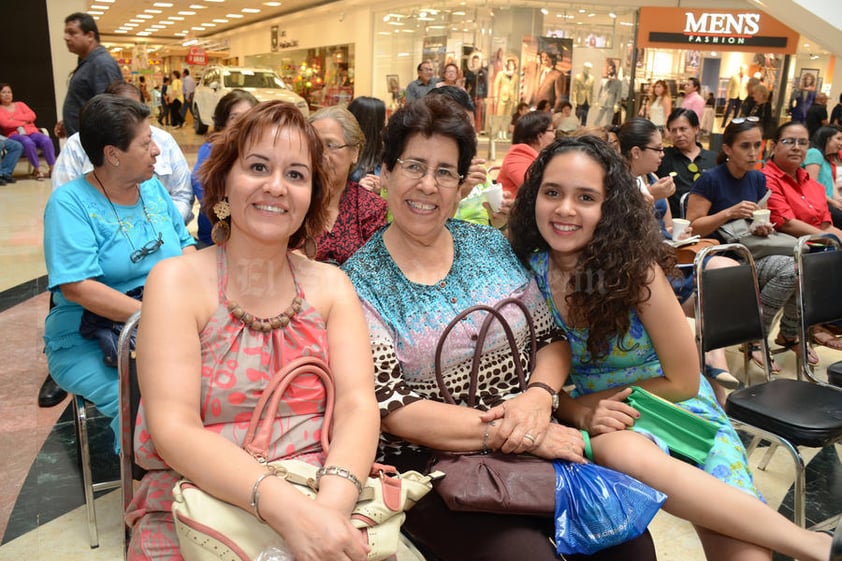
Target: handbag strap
<point>259,433</point>
<point>493,313</point>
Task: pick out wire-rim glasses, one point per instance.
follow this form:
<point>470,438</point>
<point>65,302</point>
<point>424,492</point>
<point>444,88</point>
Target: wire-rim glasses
<point>444,177</point>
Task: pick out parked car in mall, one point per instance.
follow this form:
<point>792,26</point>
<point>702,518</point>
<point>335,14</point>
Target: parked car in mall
<point>262,83</point>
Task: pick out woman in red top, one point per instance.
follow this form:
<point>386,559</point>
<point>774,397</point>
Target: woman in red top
<point>532,133</point>
<point>354,213</point>
<point>798,202</point>
<point>17,121</point>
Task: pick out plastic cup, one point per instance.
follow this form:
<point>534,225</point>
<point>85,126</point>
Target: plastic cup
<point>494,196</point>
<point>760,217</point>
<point>678,227</point>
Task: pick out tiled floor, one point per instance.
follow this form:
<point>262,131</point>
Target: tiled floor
<point>41,512</point>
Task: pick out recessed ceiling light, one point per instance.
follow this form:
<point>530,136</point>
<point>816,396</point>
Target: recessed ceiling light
<point>143,16</point>
<point>130,25</point>
<point>198,28</point>
<point>250,11</point>
<point>121,31</point>
<point>197,7</point>
<point>272,4</point>
<point>151,11</point>
<point>235,16</point>
<point>98,7</point>
<point>95,13</point>
<point>209,24</point>
<point>106,1</point>
<point>186,13</point>
<point>163,4</point>
<point>143,34</point>
<point>135,20</point>
<point>216,1</point>
<point>176,18</point>
<point>220,21</point>
<point>181,34</point>
<point>166,22</point>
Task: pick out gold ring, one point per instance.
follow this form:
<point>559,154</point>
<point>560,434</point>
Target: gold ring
<point>529,437</point>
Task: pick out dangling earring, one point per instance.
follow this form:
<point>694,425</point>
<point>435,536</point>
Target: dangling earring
<point>310,247</point>
<point>221,231</point>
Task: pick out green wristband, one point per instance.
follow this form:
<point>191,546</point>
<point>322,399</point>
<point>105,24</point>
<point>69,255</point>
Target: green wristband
<point>588,449</point>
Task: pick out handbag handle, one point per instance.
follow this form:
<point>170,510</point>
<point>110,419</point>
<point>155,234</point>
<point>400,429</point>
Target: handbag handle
<point>493,313</point>
<point>259,433</point>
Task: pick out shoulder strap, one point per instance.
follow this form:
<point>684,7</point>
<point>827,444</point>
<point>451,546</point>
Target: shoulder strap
<point>259,431</point>
<point>493,313</point>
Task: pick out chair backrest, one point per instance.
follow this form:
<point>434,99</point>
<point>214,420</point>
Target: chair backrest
<point>129,393</point>
<point>728,309</point>
<point>818,271</point>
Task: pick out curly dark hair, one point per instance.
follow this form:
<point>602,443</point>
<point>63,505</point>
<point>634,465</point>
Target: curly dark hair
<point>626,244</point>
<point>234,140</point>
<point>432,114</point>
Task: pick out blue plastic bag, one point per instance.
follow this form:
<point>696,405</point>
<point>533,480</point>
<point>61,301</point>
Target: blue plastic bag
<point>597,507</point>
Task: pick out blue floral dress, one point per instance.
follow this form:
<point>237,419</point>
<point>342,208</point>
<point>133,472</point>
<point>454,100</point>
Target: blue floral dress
<point>633,358</point>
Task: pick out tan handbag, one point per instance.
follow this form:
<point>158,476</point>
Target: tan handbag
<point>210,529</point>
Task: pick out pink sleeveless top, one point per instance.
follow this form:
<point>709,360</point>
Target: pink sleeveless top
<point>237,363</point>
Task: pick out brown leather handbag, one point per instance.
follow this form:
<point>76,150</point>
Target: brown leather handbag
<point>493,482</point>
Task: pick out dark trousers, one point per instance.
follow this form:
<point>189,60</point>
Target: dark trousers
<point>734,104</point>
<point>582,113</point>
<point>474,536</point>
<point>175,113</point>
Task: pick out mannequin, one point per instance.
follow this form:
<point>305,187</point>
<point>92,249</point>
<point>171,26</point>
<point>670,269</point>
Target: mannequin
<point>505,88</point>
<point>582,92</point>
<point>736,93</point>
<point>609,96</point>
<point>476,82</point>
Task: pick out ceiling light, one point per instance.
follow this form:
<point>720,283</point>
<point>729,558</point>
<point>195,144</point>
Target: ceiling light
<point>120,31</point>
<point>95,13</point>
<point>545,11</point>
<point>106,1</point>
<point>198,28</point>
<point>176,18</point>
<point>143,34</point>
<point>190,42</point>
<point>197,7</point>
<point>163,4</point>
<point>156,26</point>
<point>129,25</point>
<point>181,34</point>
<point>582,10</point>
<point>251,10</point>
<point>235,16</point>
<point>272,4</point>
<point>98,7</point>
<point>216,1</point>
<point>144,16</point>
<point>209,24</point>
<point>458,13</point>
<point>590,15</point>
<point>135,20</point>
<point>220,21</point>
<point>152,11</point>
<point>166,22</point>
<point>187,13</point>
<point>612,15</point>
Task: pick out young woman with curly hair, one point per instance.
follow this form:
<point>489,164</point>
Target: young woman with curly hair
<point>584,228</point>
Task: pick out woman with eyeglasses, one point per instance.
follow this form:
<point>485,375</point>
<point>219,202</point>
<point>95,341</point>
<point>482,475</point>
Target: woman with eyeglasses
<point>103,232</point>
<point>532,133</point>
<point>734,190</point>
<point>354,213</point>
<point>687,158</point>
<point>413,278</point>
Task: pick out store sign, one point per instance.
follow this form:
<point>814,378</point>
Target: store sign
<point>197,56</point>
<point>719,29</point>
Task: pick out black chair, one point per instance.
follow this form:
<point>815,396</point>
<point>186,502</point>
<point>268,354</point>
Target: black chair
<point>818,272</point>
<point>129,404</point>
<point>789,413</point>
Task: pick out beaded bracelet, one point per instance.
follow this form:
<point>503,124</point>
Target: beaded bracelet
<point>485,436</point>
<point>255,495</point>
<point>345,473</point>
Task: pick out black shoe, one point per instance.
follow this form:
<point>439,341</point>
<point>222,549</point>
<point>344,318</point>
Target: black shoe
<point>50,393</point>
<point>9,179</point>
<point>2,181</point>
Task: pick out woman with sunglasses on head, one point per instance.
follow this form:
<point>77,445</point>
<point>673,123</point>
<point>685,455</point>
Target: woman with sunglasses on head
<point>354,213</point>
<point>686,157</point>
<point>734,190</point>
<point>103,232</point>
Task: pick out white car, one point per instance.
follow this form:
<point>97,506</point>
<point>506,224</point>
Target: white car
<point>262,83</point>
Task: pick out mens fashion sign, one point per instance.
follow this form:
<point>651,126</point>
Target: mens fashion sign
<point>724,30</point>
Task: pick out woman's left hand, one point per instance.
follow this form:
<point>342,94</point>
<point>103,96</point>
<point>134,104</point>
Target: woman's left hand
<point>521,422</point>
<point>371,183</point>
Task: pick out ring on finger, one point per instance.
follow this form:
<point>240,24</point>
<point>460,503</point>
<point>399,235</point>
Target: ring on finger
<point>529,437</point>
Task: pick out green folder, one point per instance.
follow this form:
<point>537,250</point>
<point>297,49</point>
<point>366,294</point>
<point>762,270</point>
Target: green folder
<point>687,435</point>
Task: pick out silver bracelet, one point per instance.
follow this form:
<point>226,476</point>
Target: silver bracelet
<point>345,473</point>
<point>255,495</point>
<point>485,436</point>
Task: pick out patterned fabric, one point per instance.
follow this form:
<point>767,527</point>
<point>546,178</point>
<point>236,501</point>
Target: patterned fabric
<point>405,320</point>
<point>237,362</point>
<point>361,213</point>
<point>632,359</point>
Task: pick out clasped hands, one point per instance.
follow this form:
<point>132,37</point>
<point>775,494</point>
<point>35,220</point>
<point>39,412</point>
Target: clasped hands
<point>523,425</point>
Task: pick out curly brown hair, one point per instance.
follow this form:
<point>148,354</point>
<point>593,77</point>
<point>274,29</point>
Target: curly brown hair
<point>233,142</point>
<point>626,243</point>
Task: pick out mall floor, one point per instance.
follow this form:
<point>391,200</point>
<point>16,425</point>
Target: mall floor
<point>42,515</point>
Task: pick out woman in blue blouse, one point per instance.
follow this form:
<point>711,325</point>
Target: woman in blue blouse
<point>103,232</point>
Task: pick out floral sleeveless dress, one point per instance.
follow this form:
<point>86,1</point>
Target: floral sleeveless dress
<point>237,363</point>
<point>633,358</point>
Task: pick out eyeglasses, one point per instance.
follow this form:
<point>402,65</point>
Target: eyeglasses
<point>694,169</point>
<point>653,148</point>
<point>148,248</point>
<point>792,141</point>
<point>739,120</point>
<point>331,147</point>
<point>444,177</point>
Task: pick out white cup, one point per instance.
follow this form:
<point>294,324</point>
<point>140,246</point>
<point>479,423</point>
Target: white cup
<point>494,196</point>
<point>678,227</point>
<point>760,217</point>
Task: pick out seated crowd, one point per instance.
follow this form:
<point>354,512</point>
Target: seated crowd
<point>285,197</point>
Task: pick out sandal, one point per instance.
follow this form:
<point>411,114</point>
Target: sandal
<point>792,344</point>
<point>38,175</point>
<point>757,358</point>
<point>825,337</point>
<point>722,377</point>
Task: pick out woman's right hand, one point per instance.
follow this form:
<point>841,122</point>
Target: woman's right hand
<point>319,532</point>
<point>611,414</point>
<point>742,209</point>
<point>561,442</point>
<point>662,188</point>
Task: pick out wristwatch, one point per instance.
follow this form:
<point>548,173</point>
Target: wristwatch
<point>548,389</point>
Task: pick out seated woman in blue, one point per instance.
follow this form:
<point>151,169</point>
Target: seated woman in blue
<point>611,296</point>
<point>103,232</point>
